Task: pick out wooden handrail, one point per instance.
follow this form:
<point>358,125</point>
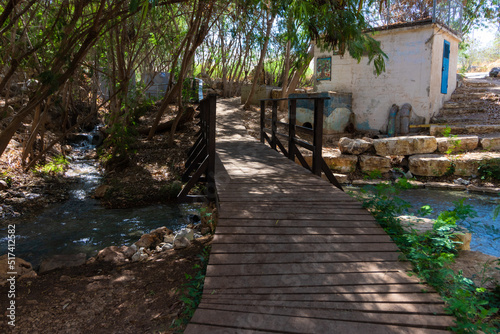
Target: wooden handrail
<point>318,164</point>
<point>201,156</point>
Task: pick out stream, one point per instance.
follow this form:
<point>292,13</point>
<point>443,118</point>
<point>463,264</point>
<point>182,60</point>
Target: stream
<point>485,230</point>
<point>81,225</point>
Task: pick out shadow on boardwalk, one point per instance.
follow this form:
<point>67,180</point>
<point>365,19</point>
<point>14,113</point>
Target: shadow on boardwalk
<point>293,254</point>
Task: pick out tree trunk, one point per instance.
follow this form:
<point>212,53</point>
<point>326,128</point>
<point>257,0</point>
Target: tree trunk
<point>286,72</point>
<point>260,65</point>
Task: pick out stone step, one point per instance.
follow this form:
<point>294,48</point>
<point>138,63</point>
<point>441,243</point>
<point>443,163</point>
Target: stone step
<point>460,104</point>
<point>474,129</point>
<point>441,164</point>
<point>478,84</point>
<point>467,95</point>
<point>463,110</point>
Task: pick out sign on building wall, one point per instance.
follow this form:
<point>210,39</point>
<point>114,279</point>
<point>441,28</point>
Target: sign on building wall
<point>324,68</point>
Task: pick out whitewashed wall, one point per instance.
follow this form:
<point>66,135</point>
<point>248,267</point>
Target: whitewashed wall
<point>413,75</point>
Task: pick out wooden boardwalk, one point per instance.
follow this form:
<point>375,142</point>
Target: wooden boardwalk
<point>293,254</point>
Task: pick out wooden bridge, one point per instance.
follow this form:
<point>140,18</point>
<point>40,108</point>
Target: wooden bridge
<point>294,254</point>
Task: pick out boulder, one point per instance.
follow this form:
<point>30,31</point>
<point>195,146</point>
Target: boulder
<point>422,225</point>
<point>116,255</point>
<point>3,185</point>
<point>468,164</point>
<point>370,163</point>
<point>169,238</point>
<point>186,233</point>
<point>491,143</point>
<point>457,144</point>
<point>140,255</point>
<point>62,261</point>
<point>342,178</point>
<point>407,145</point>
<point>181,242</point>
<point>341,163</point>
<point>148,241</point>
<point>353,146</point>
<point>101,191</point>
<point>22,268</point>
<point>429,165</point>
<point>495,72</point>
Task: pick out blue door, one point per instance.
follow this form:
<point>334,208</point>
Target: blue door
<point>445,70</point>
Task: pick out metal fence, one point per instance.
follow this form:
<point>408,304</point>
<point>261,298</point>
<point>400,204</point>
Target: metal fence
<point>399,12</point>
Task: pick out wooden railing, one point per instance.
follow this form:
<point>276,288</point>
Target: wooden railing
<point>200,165</point>
<point>318,163</point>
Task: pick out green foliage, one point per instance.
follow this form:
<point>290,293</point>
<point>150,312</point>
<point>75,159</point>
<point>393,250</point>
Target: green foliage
<point>489,169</point>
<point>57,166</point>
<point>432,252</point>
<point>171,190</point>
<point>372,175</point>
<point>193,290</point>
<point>6,177</point>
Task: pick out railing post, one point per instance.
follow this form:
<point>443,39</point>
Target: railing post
<point>274,125</point>
<point>434,4</point>
<point>318,136</point>
<point>262,119</point>
<point>292,121</point>
<point>211,124</point>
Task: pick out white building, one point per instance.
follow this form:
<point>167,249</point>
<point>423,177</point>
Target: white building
<point>420,70</point>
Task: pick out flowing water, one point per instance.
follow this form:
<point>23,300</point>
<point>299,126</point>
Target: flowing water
<point>82,225</point>
<point>485,230</point>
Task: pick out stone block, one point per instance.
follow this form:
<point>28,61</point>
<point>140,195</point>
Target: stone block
<point>408,145</point>
<point>457,144</point>
<point>353,146</point>
<point>342,178</point>
<point>370,163</point>
<point>467,164</point>
<point>342,163</point>
<point>491,143</point>
<point>429,164</point>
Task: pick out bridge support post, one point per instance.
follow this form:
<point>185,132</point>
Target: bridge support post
<point>292,121</point>
<point>318,136</point>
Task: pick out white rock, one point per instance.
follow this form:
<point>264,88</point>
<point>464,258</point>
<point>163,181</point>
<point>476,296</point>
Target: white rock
<point>169,238</point>
<point>186,233</point>
<point>353,146</point>
<point>181,242</point>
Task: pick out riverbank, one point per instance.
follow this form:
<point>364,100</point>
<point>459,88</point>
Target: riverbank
<point>102,297</point>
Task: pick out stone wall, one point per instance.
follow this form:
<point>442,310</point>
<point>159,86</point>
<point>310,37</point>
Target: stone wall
<point>420,155</point>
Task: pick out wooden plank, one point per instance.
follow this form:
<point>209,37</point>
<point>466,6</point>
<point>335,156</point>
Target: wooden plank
<point>410,320</point>
<point>297,324</point>
<point>285,230</point>
<point>328,297</point>
<point>305,223</point>
<point>403,307</point>
<point>360,289</point>
<point>304,268</point>
<point>199,329</point>
<point>298,216</point>
<point>332,210</point>
<point>218,282</point>
<point>266,248</point>
<point>293,257</point>
<point>292,239</point>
